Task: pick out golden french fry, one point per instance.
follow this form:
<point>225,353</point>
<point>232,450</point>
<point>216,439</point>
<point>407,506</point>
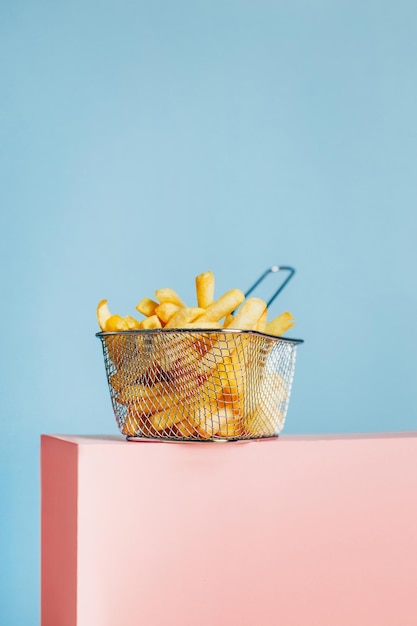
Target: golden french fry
<point>279,325</point>
<point>231,428</point>
<point>205,404</point>
<point>206,392</point>
<point>232,372</point>
<point>115,323</point>
<point>227,303</point>
<point>168,295</point>
<point>266,418</point>
<point>143,428</point>
<point>121,349</point>
<point>187,366</point>
<point>151,322</point>
<point>103,314</point>
<point>185,429</point>
<point>136,371</point>
<point>202,325</point>
<point>260,325</point>
<point>222,418</point>
<point>131,425</point>
<point>169,347</point>
<point>204,430</point>
<point>256,424</point>
<point>147,306</point>
<point>167,418</point>
<point>229,319</point>
<point>125,376</point>
<point>203,361</point>
<point>209,419</point>
<point>250,312</point>
<point>233,401</point>
<point>205,289</point>
<point>132,323</point>
<point>215,354</point>
<point>183,316</point>
<point>166,310</point>
<point>148,399</point>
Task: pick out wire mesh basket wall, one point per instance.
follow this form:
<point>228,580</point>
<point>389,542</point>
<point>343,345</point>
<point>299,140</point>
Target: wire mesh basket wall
<point>191,385</point>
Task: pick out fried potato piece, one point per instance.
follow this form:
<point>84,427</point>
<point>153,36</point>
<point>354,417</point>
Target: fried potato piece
<point>202,325</point>
<point>231,428</point>
<point>151,322</point>
<point>147,306</point>
<point>210,420</point>
<point>222,419</point>
<point>184,354</point>
<point>227,303</point>
<point>121,349</point>
<point>125,376</point>
<point>233,374</point>
<point>256,424</point>
<point>146,400</point>
<point>185,429</point>
<point>115,323</point>
<point>132,323</point>
<point>266,419</point>
<point>232,400</point>
<point>279,325</point>
<point>149,399</point>
<point>229,319</point>
<point>131,425</point>
<point>201,360</point>
<point>168,347</point>
<point>247,317</point>
<point>136,371</point>
<point>166,310</point>
<point>108,322</point>
<point>202,424</point>
<point>103,314</point>
<point>142,427</point>
<point>168,295</point>
<point>167,418</point>
<point>184,315</point>
<point>205,289</point>
<point>204,410</point>
<point>260,325</point>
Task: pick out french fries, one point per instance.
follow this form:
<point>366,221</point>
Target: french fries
<point>153,321</point>
<point>204,284</point>
<point>194,385</point>
<point>165,311</point>
<point>168,295</point>
<point>279,325</point>
<point>146,306</point>
<point>185,315</point>
<point>103,313</point>
<point>227,303</point>
<point>249,314</point>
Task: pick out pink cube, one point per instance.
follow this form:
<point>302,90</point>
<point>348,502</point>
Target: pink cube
<point>298,531</point>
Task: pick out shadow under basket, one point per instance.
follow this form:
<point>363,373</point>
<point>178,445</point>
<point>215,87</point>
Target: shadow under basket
<point>199,385</point>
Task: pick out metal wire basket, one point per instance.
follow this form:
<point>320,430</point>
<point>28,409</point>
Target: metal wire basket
<point>196,385</point>
<point>200,385</point>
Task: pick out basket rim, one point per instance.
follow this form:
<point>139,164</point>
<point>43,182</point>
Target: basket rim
<point>199,331</point>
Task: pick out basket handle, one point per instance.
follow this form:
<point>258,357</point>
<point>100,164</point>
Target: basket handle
<point>273,270</point>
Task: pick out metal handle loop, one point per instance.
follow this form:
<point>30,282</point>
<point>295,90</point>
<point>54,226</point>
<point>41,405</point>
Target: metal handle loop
<point>273,270</point>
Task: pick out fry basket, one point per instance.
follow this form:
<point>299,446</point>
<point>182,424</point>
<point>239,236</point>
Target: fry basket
<point>199,385</point>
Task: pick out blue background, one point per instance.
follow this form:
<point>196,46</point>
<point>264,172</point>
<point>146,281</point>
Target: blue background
<point>142,143</point>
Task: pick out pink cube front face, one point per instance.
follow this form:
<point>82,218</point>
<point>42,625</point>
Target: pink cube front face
<point>295,531</point>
